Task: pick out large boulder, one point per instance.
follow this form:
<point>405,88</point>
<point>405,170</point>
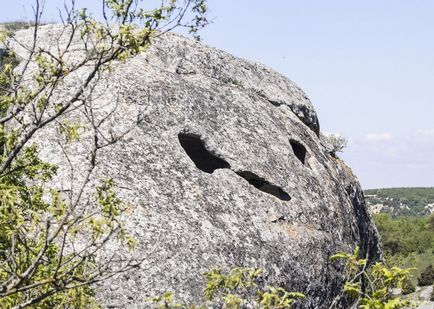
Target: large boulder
<point>221,164</point>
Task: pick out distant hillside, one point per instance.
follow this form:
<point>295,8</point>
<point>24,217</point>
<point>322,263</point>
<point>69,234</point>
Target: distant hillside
<point>15,26</point>
<point>401,201</point>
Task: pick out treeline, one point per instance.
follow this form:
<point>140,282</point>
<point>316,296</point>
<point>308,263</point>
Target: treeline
<point>405,235</point>
<point>423,194</point>
<point>402,201</point>
<point>407,241</point>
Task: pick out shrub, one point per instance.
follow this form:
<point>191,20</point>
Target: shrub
<point>426,277</point>
<point>334,142</point>
<point>408,287</point>
<point>371,286</point>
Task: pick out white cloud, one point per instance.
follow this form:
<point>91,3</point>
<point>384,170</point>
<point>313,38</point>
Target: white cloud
<point>377,137</point>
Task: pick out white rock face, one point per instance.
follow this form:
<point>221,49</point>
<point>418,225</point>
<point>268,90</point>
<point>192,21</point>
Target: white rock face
<point>221,166</point>
<point>421,298</point>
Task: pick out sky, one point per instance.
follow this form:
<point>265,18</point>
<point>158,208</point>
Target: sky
<point>367,66</point>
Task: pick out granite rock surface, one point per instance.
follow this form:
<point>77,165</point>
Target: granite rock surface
<point>221,163</point>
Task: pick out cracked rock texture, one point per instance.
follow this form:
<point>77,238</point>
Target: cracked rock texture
<point>266,194</point>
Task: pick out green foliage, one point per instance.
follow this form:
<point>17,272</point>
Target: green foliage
<point>277,298</point>
<point>166,301</point>
<point>233,290</point>
<point>33,266</point>
<point>408,287</point>
<point>237,278</point>
<point>407,242</point>
<point>7,63</point>
<point>405,235</point>
<point>371,286</point>
<point>402,201</point>
<point>418,194</point>
<point>426,277</point>
<point>430,223</point>
<point>71,131</point>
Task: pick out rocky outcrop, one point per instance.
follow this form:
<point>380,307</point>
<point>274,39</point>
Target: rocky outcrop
<point>221,164</point>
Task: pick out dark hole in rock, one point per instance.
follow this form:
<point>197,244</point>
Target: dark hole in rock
<point>275,103</point>
<point>299,150</point>
<point>202,158</point>
<point>263,185</point>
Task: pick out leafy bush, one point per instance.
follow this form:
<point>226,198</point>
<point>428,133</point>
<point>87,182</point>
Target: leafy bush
<point>408,287</point>
<point>371,287</point>
<point>334,142</point>
<point>426,277</point>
